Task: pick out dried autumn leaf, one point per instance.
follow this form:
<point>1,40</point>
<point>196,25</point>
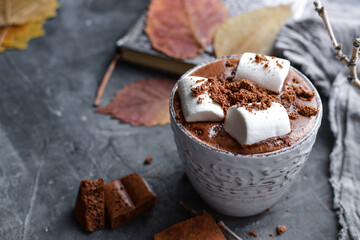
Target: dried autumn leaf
<point>182,28</point>
<point>254,31</point>
<point>168,28</point>
<point>205,16</point>
<point>145,102</point>
<point>20,12</point>
<point>22,20</point>
<point>18,36</point>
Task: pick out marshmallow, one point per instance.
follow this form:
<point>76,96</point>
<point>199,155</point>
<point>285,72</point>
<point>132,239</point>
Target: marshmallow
<point>252,127</point>
<point>193,111</point>
<point>271,77</point>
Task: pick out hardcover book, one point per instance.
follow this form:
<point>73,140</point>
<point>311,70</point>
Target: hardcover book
<point>135,46</point>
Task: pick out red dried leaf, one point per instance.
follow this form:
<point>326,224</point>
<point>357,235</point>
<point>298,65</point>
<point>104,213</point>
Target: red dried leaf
<point>145,102</point>
<point>168,28</point>
<point>206,16</point>
<point>182,28</point>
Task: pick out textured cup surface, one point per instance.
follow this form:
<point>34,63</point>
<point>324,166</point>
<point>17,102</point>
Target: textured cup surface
<point>238,184</point>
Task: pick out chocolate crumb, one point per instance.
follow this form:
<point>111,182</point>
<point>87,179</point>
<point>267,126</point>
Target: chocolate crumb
<point>293,115</point>
<point>304,93</point>
<point>280,229</point>
<point>288,96</point>
<point>259,58</point>
<point>271,235</point>
<point>307,111</point>
<point>287,210</point>
<point>268,209</point>
<point>79,167</point>
<point>148,160</point>
<point>229,64</point>
<point>278,64</point>
<point>253,234</point>
<point>296,79</point>
<point>200,100</point>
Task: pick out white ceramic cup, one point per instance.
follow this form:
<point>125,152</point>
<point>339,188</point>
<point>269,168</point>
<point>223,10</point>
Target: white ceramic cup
<point>241,184</point>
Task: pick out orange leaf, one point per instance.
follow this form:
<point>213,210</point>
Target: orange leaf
<point>18,36</point>
<point>145,102</point>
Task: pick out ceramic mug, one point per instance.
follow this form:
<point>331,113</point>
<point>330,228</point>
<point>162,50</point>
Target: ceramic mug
<point>241,184</point>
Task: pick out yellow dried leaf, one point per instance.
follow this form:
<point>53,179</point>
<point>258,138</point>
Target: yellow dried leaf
<point>18,36</point>
<point>20,12</point>
<point>254,31</point>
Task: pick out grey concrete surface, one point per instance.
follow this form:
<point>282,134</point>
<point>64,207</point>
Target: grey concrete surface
<point>50,139</point>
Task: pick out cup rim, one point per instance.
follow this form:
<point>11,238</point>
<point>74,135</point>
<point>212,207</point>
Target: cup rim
<point>310,132</point>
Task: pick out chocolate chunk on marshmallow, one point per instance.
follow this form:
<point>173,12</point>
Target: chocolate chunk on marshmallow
<point>265,71</point>
<point>200,108</point>
<point>249,127</point>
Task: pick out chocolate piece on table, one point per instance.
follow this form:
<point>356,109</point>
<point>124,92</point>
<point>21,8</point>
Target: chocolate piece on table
<point>90,205</point>
<point>126,198</point>
<point>199,227</point>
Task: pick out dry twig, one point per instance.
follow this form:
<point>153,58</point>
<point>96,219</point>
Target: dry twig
<point>105,79</point>
<point>350,63</point>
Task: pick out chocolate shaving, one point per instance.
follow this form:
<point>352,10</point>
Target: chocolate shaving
<point>307,111</point>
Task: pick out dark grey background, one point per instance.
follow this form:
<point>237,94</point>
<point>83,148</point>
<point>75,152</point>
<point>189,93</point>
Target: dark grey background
<point>50,139</point>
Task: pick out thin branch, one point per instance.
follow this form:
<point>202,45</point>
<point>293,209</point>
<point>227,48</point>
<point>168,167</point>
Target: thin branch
<point>105,80</point>
<point>189,209</point>
<point>350,63</point>
<point>229,231</point>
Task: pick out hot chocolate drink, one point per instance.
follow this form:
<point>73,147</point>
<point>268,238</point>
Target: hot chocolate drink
<point>220,85</point>
<point>244,127</point>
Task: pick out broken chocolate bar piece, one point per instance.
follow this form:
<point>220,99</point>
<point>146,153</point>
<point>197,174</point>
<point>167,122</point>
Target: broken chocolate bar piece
<point>199,227</point>
<point>126,198</point>
<point>90,205</point>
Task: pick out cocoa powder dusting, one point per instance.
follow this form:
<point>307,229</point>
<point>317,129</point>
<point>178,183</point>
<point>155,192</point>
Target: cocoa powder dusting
<point>307,111</point>
<point>278,64</point>
<point>240,93</point>
<point>259,58</point>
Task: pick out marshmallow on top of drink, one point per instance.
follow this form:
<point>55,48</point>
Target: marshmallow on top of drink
<point>249,102</point>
